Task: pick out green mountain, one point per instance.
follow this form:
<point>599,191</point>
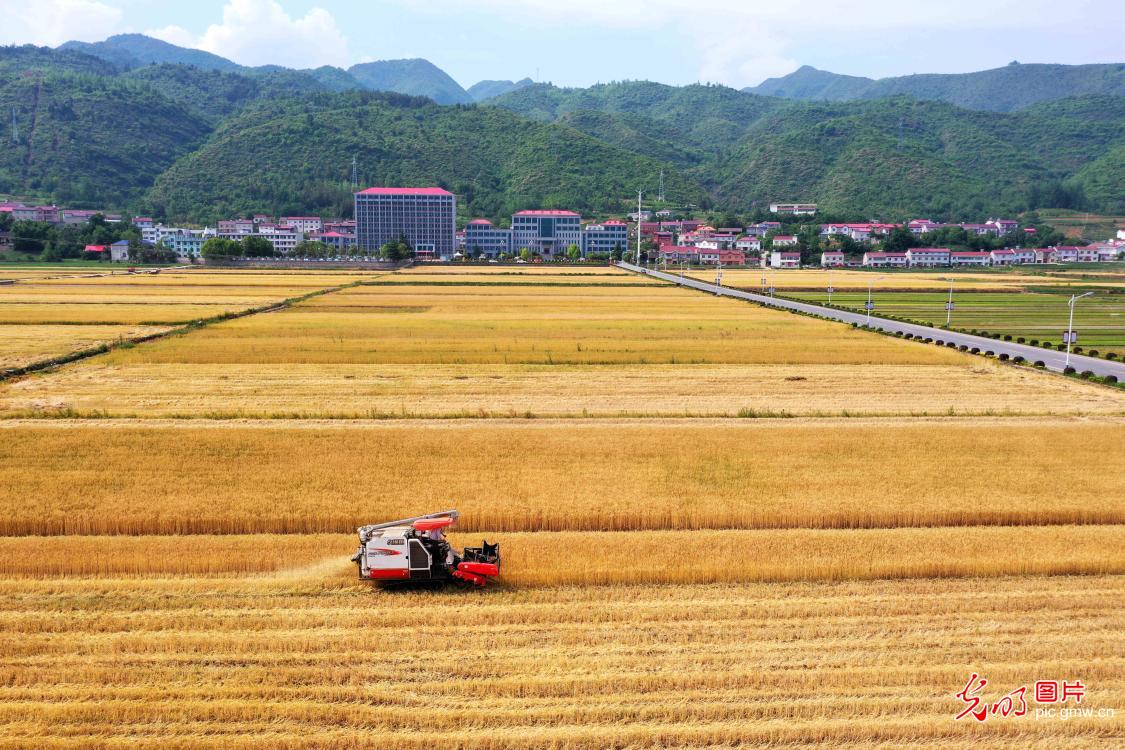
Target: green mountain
<point>1000,90</point>
<point>195,144</point>
<point>412,77</point>
<point>489,89</point>
<point>286,158</point>
<point>890,157</point>
<point>90,140</point>
<point>134,50</point>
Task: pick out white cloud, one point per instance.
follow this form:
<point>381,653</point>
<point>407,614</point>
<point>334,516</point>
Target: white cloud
<point>52,22</point>
<point>260,32</point>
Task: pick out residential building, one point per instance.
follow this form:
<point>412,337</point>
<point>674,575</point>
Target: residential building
<point>1045,255</point>
<point>679,254</point>
<point>784,240</point>
<point>732,257</point>
<point>1121,234</point>
<point>426,217</point>
<point>119,251</point>
<point>343,227</point>
<point>1023,255</point>
<point>606,237</point>
<point>186,243</point>
<point>335,240</point>
<point>1108,252</point>
<point>885,260</point>
<point>969,258</point>
<point>748,242</point>
<point>304,224</point>
<point>927,257</point>
<point>48,214</point>
<point>793,209</point>
<point>1004,257</point>
<point>236,229</point>
<point>546,232</point>
<point>71,216</point>
<point>283,239</point>
<point>832,258</point>
<point>921,226</point>
<point>143,222</point>
<point>481,237</point>
<point>1003,226</point>
<point>784,259</point>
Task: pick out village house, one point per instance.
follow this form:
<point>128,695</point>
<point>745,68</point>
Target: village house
<point>784,240</point>
<point>969,258</point>
<point>885,260</point>
<point>927,257</point>
<point>832,258</point>
<point>784,259</point>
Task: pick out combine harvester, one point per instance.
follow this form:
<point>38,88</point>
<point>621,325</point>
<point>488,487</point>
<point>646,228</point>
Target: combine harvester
<point>414,551</point>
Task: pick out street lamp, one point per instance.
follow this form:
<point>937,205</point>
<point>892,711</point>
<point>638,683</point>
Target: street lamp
<point>830,289</point>
<point>949,305</point>
<point>1070,326</point>
<point>870,305</point>
<point>763,285</point>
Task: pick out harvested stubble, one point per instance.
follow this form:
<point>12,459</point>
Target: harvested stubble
<point>24,344</point>
<point>277,476</point>
<point>106,313</point>
<point>312,664</point>
<point>591,391</point>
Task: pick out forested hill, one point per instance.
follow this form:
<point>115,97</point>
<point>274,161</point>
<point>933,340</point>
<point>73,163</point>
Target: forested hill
<point>999,90</point>
<point>889,157</point>
<point>191,143</point>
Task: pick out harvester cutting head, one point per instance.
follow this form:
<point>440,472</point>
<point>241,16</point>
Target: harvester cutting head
<point>414,550</point>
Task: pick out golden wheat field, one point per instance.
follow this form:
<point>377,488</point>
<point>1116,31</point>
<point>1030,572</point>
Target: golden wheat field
<point>22,345</point>
<point>722,526</point>
<point>302,476</point>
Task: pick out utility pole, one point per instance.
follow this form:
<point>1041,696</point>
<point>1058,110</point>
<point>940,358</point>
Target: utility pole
<point>355,172</point>
<point>1070,326</point>
<point>830,289</point>
<point>949,305</point>
<point>15,128</point>
<point>661,196</point>
<point>639,194</point>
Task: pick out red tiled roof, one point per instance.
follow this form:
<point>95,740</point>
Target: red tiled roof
<point>481,222</point>
<point>547,213</point>
<point>404,191</point>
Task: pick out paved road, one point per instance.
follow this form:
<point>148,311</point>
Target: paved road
<point>1054,360</point>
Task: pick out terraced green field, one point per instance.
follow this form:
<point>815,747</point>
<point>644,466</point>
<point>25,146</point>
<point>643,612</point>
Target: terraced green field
<point>1035,316</point>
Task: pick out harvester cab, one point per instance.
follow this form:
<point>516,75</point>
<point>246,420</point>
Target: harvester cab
<point>415,550</point>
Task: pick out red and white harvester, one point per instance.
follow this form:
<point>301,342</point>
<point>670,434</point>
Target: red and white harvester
<point>414,550</point>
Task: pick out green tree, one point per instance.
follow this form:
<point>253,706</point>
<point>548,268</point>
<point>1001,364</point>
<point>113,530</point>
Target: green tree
<point>899,240</point>
<point>525,254</point>
<point>573,252</point>
<point>217,247</point>
<point>254,246</point>
<point>312,249</point>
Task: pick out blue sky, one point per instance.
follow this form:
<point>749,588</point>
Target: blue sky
<point>580,42</point>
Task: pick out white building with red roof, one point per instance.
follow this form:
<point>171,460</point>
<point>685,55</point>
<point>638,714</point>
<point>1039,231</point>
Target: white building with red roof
<point>970,258</point>
<point>785,259</point>
<point>927,257</point>
<point>885,260</point>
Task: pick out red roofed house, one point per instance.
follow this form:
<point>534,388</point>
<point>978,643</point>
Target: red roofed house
<point>832,258</point>
<point>970,258</point>
<point>784,240</point>
<point>782,259</point>
<point>1004,257</point>
<point>885,260</point>
<point>927,257</point>
<point>679,254</point>
<point>99,250</point>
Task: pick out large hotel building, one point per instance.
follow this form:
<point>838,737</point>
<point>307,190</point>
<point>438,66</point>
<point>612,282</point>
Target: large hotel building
<point>425,216</point>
